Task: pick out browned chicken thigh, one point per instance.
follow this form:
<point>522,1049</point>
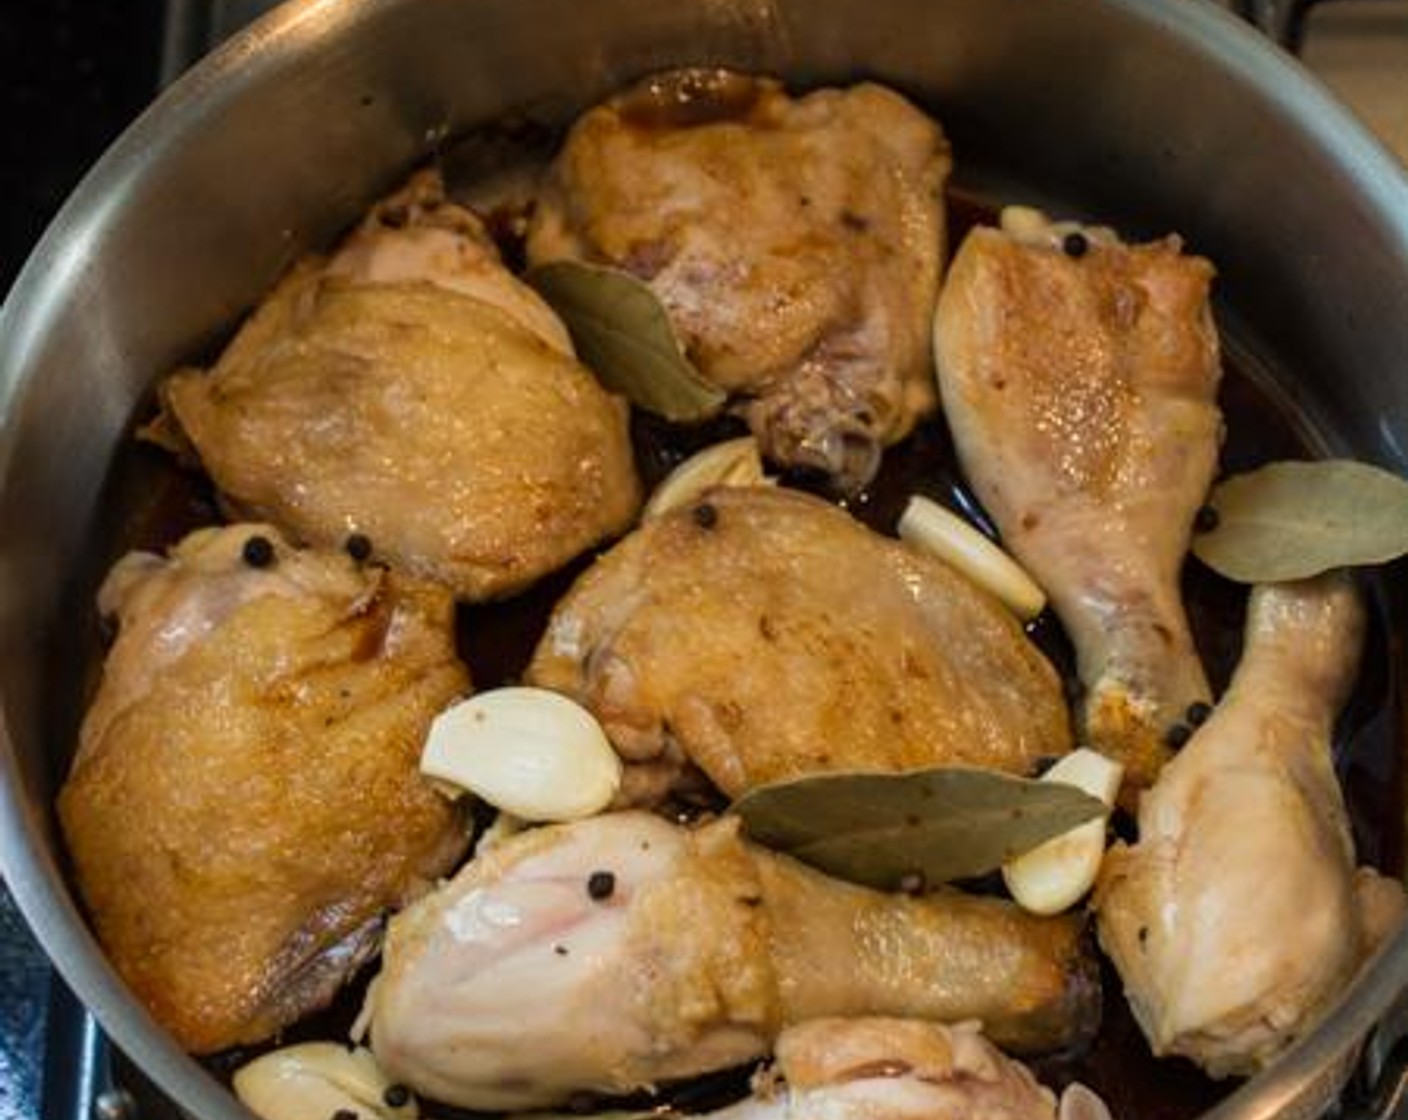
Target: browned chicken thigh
<point>763,634</point>
<point>411,390</point>
<point>245,805</point>
<point>892,1069</point>
<point>1079,377</point>
<point>795,244</point>
<point>1239,917</point>
<point>621,951</point>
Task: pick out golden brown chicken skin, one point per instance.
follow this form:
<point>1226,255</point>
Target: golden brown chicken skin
<point>761,634</point>
<point>411,390</point>
<point>892,1069</point>
<point>1079,375</point>
<point>795,243</point>
<point>245,806</point>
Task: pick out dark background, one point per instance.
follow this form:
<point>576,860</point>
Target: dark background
<point>73,74</point>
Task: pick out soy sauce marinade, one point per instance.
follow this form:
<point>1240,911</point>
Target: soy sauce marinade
<point>151,504</point>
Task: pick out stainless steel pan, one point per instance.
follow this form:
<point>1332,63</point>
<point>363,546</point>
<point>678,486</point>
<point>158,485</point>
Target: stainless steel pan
<point>1155,114</point>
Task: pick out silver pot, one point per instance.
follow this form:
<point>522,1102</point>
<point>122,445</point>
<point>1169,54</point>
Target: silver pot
<point>1152,114</point>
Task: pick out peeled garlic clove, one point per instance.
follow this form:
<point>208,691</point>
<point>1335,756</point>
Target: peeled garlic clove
<point>526,751</point>
<point>928,526</point>
<point>736,462</point>
<point>316,1080</point>
<point>1054,876</point>
<point>504,828</point>
<point>1080,1103</point>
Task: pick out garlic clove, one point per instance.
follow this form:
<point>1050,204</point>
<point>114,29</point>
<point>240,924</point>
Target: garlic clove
<point>526,751</point>
<point>928,526</point>
<point>503,828</point>
<point>1054,876</point>
<point>736,462</point>
<point>315,1080</point>
<point>1079,1103</point>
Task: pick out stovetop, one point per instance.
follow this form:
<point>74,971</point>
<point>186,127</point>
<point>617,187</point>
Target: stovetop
<point>76,73</point>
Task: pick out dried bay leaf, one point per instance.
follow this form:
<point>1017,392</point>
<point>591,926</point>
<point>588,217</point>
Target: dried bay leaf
<point>1293,520</point>
<point>624,336</point>
<point>951,822</point>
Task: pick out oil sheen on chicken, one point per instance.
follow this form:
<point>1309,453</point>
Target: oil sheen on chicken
<point>1239,917</point>
<point>621,951</point>
<point>245,804</point>
<point>410,389</point>
<point>763,634</point>
<point>891,1069</point>
<point>795,244</point>
<point>1079,376</point>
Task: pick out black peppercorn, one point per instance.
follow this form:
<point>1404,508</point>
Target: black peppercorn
<point>1075,245</point>
<point>1206,520</point>
<point>396,1096</point>
<point>705,515</point>
<point>258,552</point>
<point>1177,735</point>
<point>344,1114</point>
<point>359,547</point>
<point>1197,713</point>
<point>601,885</point>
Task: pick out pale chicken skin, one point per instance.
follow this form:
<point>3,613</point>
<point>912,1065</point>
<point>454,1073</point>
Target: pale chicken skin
<point>411,390</point>
<point>761,634</point>
<point>892,1069</point>
<point>795,244</point>
<point>621,951</point>
<point>1080,386</point>
<point>1239,918</point>
<point>245,804</point>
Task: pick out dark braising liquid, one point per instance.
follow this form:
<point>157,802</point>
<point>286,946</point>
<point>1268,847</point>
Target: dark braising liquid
<point>151,504</point>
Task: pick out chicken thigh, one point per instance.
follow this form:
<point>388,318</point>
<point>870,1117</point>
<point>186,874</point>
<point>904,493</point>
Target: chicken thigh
<point>1079,377</point>
<point>763,634</point>
<point>892,1069</point>
<point>412,391</point>
<point>1239,918</point>
<point>795,244</point>
<point>245,804</point>
<point>620,951</point>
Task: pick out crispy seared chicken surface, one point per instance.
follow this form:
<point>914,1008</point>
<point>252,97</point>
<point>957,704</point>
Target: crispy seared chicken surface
<point>245,805</point>
<point>412,390</point>
<point>795,244</point>
<point>892,1069</point>
<point>527,978</point>
<point>1079,377</point>
<point>763,634</point>
<point>1239,917</point>
<point>403,424</point>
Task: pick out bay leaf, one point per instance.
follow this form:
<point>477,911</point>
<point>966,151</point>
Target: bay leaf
<point>1293,520</point>
<point>950,822</point>
<point>624,336</point>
